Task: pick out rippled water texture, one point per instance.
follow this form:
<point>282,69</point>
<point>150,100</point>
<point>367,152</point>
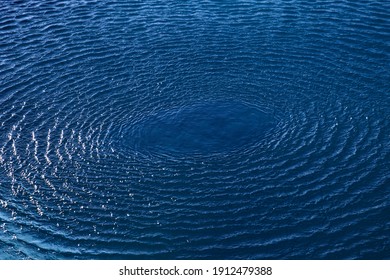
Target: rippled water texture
<point>194,129</point>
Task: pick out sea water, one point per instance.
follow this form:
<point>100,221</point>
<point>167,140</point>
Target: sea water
<point>194,129</point>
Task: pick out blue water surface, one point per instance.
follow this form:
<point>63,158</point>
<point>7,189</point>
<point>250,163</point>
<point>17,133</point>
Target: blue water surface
<point>194,129</point>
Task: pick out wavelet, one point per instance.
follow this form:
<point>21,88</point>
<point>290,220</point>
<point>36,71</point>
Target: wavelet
<point>194,130</point>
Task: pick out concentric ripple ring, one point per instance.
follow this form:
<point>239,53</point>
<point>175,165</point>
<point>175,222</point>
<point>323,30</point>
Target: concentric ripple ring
<point>194,129</point>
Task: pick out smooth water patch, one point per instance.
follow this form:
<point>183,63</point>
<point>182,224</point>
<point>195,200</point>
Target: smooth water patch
<point>200,128</point>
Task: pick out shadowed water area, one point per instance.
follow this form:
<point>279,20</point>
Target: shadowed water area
<point>199,129</point>
<point>194,129</point>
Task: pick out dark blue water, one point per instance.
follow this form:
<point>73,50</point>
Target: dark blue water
<point>194,129</point>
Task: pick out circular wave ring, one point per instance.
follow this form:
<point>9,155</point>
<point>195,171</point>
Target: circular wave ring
<point>196,129</point>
